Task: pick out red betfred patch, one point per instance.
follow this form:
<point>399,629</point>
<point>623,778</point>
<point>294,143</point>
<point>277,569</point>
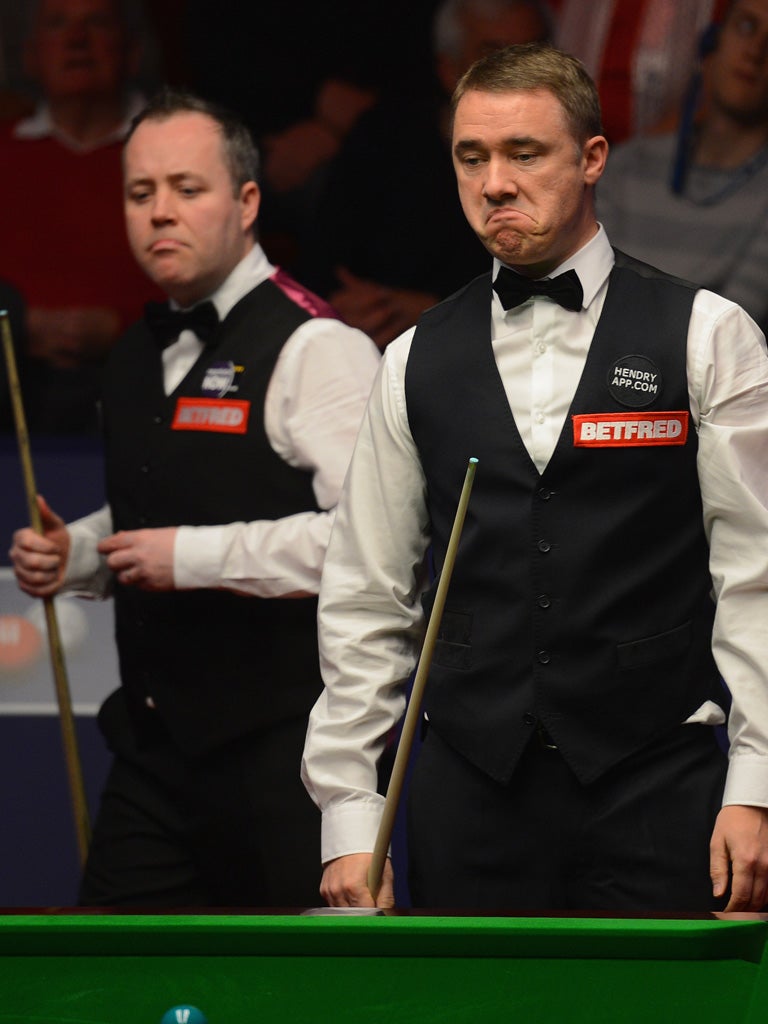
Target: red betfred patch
<point>630,429</point>
<point>220,415</point>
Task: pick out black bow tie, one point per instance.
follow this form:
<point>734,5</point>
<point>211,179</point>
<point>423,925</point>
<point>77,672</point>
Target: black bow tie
<point>166,324</point>
<point>513,288</point>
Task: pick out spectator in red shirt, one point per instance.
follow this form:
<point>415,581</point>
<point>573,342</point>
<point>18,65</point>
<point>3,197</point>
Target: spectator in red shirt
<point>640,54</point>
<point>64,243</point>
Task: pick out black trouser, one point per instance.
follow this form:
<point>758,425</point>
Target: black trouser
<point>234,827</point>
<point>637,840</point>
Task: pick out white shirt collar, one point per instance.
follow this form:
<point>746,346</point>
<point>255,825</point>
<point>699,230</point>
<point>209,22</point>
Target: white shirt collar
<point>593,263</point>
<point>252,269</point>
<point>40,126</point>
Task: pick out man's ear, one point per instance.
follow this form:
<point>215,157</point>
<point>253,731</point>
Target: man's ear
<point>594,156</point>
<point>250,200</point>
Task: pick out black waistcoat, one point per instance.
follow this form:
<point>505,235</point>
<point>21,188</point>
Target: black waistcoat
<point>581,596</point>
<point>216,664</point>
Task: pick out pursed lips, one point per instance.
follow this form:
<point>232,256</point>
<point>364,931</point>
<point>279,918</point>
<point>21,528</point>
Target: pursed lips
<point>166,245</point>
<point>506,213</point>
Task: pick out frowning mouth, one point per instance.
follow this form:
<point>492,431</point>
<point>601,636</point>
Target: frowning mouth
<point>506,213</point>
<point>165,245</point>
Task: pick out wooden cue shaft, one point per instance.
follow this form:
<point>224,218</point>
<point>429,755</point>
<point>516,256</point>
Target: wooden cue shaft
<point>397,779</point>
<point>56,650</point>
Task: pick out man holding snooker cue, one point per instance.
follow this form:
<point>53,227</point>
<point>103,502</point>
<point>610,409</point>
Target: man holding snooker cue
<point>613,564</point>
<point>230,414</point>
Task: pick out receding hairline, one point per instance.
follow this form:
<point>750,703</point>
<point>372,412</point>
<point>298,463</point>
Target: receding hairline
<point>161,117</point>
<point>238,150</point>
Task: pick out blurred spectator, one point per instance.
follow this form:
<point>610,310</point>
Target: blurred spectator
<point>269,62</point>
<point>296,162</point>
<point>292,156</point>
<point>64,246</point>
<point>319,76</point>
<point>394,176</point>
<point>640,54</point>
<point>695,203</point>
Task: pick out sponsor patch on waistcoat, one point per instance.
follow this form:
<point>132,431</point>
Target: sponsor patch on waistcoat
<point>629,429</point>
<point>220,378</point>
<point>224,416</point>
<point>634,381</point>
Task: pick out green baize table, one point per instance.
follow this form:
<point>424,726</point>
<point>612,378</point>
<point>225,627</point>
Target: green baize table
<point>264,967</point>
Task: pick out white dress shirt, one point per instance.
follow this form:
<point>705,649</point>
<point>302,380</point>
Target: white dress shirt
<point>371,622</point>
<point>312,411</point>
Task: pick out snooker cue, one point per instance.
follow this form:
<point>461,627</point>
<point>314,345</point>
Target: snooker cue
<point>66,719</point>
<point>397,778</point>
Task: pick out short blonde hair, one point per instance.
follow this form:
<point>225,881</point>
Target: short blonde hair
<point>532,66</point>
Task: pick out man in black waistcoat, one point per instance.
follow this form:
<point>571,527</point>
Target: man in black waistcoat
<point>620,420</point>
<point>231,410</point>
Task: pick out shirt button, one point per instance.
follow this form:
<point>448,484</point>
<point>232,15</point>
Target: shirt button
<point>541,348</point>
<point>544,494</point>
<point>544,601</point>
<point>145,469</point>
<point>157,419</point>
<point>529,719</point>
<point>543,657</point>
<point>540,417</point>
<point>544,546</point>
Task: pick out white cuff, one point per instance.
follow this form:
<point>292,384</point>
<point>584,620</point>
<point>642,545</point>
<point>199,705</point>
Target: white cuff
<point>350,827</point>
<point>747,781</point>
<point>198,555</point>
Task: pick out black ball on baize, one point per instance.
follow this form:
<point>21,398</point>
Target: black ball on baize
<point>184,1014</point>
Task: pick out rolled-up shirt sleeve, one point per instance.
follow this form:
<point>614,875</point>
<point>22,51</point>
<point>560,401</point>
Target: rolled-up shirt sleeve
<point>87,574</point>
